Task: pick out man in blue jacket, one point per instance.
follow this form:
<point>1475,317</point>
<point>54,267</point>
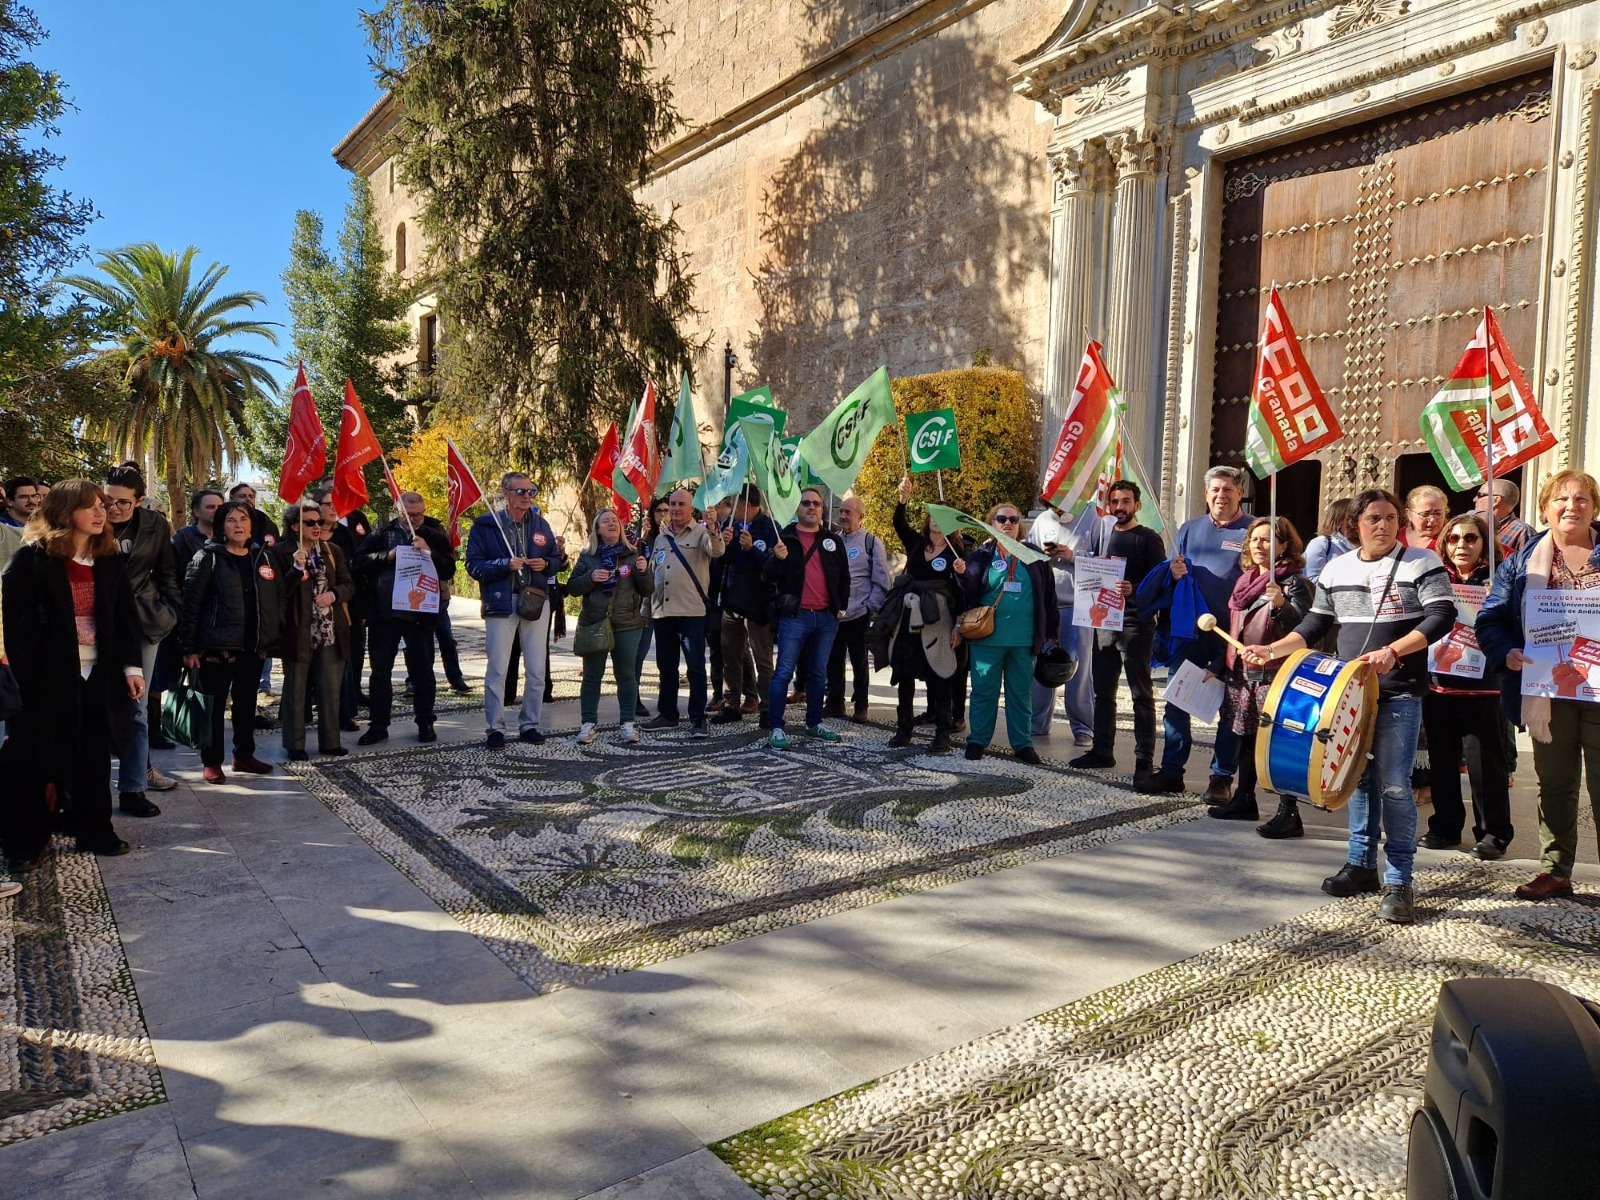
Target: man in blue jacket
<point>1209,547</point>
<point>515,556</point>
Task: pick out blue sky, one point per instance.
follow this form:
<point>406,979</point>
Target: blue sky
<point>208,123</point>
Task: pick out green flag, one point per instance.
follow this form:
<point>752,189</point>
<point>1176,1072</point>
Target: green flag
<point>951,521</point>
<point>797,463</point>
<point>684,464</point>
<point>727,476</point>
<point>756,402</point>
<point>932,439</point>
<point>837,449</point>
<point>773,474</point>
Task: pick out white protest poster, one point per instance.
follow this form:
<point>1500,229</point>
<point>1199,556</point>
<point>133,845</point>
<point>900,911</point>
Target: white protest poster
<point>1097,604</point>
<point>1561,633</point>
<point>1189,689</point>
<point>1457,653</point>
<point>416,582</point>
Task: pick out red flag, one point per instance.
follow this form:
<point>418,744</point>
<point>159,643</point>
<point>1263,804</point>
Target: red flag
<point>1088,434</point>
<point>641,458</point>
<point>603,471</point>
<point>461,486</point>
<point>605,460</point>
<point>357,447</point>
<point>1289,416</point>
<point>305,457</point>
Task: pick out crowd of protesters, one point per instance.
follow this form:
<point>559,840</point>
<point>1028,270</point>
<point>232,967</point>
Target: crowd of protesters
<point>106,608</point>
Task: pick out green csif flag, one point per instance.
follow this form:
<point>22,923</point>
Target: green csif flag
<point>779,487</point>
<point>931,437</point>
<point>797,463</point>
<point>951,521</point>
<point>837,449</point>
<point>757,403</point>
<point>727,476</point>
<point>684,463</point>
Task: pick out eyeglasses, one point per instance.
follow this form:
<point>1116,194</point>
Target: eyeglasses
<point>119,503</point>
<point>1463,537</point>
<point>811,504</point>
<point>1007,520</point>
<point>305,524</point>
<point>528,491</point>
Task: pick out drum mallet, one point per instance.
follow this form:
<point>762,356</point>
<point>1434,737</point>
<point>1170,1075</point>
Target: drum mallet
<point>1207,623</point>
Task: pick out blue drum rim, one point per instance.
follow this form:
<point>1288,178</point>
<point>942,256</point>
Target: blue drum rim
<point>1312,790</point>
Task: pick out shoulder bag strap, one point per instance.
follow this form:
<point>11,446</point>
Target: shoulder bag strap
<point>1400,553</point>
<point>693,578</point>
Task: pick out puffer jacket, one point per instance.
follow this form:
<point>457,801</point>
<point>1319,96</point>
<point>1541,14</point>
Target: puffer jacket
<point>213,605</point>
<point>622,597</point>
<point>489,560</point>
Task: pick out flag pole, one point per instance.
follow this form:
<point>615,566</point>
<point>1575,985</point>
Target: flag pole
<point>1488,424</point>
<point>1138,463</point>
<point>1272,484</point>
<point>939,478</point>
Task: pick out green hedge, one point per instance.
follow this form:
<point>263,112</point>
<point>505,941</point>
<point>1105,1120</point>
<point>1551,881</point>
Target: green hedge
<point>997,428</point>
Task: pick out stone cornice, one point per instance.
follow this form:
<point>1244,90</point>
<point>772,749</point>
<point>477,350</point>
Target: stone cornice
<point>368,144</point>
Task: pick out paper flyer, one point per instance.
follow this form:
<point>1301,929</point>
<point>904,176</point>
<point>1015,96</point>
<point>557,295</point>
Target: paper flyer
<point>1097,604</point>
<point>1457,652</point>
<point>1189,689</point>
<point>1561,630</point>
<point>416,582</point>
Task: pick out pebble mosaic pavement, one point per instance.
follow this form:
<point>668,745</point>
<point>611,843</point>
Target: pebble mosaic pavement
<point>575,862</point>
<point>73,1043</point>
<point>1286,1063</point>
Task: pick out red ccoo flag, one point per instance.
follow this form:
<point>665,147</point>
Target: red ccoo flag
<point>603,470</point>
<point>357,447</point>
<point>305,457</point>
<point>641,458</point>
<point>462,488</point>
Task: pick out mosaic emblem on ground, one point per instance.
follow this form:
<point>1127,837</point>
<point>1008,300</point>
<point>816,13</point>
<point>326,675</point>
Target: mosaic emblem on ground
<point>572,862</point>
<point>73,1046</point>
<point>1284,1064</point>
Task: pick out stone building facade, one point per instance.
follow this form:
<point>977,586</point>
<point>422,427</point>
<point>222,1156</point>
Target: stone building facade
<point>914,182</point>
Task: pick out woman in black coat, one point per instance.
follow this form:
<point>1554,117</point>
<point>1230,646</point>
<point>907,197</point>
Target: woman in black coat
<point>230,623</point>
<point>73,639</point>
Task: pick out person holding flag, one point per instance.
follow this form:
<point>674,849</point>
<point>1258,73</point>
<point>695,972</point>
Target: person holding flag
<point>749,537</point>
<point>377,560</point>
<point>515,556</point>
<point>682,550</point>
<point>810,578</point>
<point>1023,595</point>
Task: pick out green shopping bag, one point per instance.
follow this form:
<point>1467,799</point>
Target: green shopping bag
<point>187,711</point>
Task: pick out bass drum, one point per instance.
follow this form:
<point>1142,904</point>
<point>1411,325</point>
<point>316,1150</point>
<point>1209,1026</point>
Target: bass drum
<point>1321,712</point>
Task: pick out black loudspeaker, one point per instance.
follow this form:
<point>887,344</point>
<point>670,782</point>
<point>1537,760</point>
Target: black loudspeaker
<point>1512,1103</point>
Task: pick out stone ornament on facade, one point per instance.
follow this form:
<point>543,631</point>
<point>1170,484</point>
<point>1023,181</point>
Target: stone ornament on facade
<point>1103,94</point>
<point>1134,152</point>
<point>1582,59</point>
<point>1537,32</point>
<point>1363,14</point>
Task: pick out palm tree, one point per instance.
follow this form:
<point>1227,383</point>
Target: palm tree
<point>187,392</point>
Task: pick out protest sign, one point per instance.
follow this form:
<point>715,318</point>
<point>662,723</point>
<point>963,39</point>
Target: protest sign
<point>1457,652</point>
<point>1562,632</point>
<point>1097,603</point>
<point>416,581</point>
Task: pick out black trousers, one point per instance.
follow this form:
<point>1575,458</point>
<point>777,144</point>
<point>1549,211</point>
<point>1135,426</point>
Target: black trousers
<point>851,641</point>
<point>236,681</point>
<point>1127,653</point>
<point>83,786</point>
<point>383,643</point>
<point>1470,726</point>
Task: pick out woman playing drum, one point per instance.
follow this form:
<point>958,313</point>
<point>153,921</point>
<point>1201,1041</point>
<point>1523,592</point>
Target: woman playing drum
<point>1390,601</point>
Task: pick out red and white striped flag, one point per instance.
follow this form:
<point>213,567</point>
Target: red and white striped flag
<point>1088,435</point>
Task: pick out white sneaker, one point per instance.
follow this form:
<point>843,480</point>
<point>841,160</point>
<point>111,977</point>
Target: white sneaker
<point>157,781</point>
<point>586,733</point>
<point>630,734</point>
<point>8,887</point>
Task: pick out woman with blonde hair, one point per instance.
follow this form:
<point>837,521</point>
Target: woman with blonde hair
<point>73,637</point>
<point>613,578</point>
<point>1565,730</point>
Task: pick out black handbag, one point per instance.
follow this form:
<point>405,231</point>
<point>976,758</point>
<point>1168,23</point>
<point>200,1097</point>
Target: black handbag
<point>530,602</point>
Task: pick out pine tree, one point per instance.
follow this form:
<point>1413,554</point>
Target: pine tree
<point>527,129</point>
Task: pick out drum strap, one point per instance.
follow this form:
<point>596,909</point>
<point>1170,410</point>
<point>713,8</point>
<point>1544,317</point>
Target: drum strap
<point>1400,552</point>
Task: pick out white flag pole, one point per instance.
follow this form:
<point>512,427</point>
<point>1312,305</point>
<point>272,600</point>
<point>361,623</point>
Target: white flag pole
<point>1272,475</point>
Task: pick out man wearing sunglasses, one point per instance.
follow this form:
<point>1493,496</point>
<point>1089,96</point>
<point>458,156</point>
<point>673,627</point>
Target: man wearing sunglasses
<point>810,577</point>
<point>1511,533</point>
<point>514,554</point>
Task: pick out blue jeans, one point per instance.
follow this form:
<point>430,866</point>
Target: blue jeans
<point>1394,751</point>
<point>806,633</point>
<point>134,766</point>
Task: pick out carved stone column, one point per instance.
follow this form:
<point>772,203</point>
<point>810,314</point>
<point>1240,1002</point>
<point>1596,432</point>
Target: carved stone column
<point>1132,335</point>
<point>1075,170</point>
